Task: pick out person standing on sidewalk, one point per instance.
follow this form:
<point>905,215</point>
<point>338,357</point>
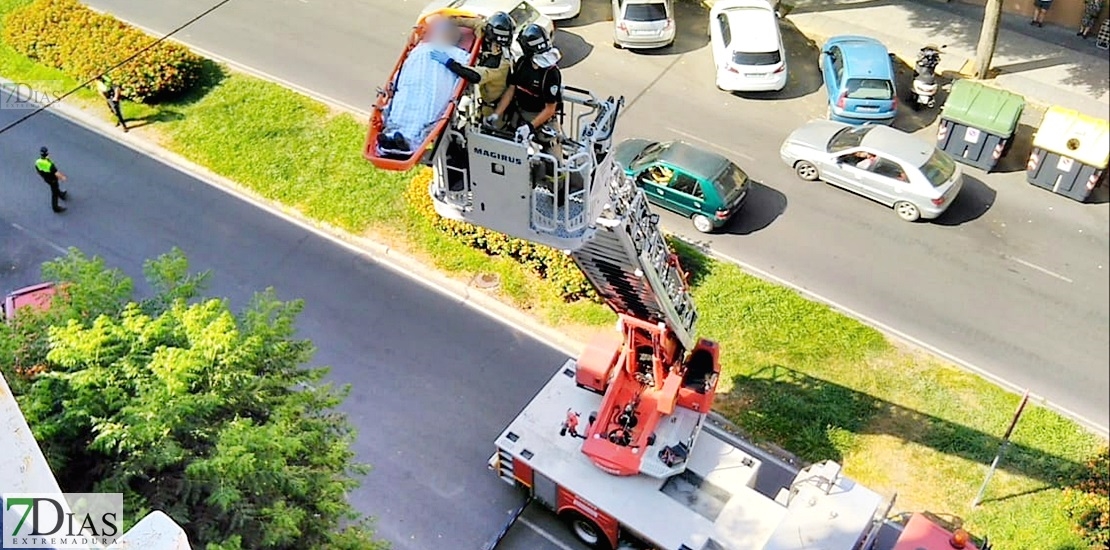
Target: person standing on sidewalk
<point>49,173</point>
<point>1040,8</point>
<point>112,95</point>
<point>1091,9</point>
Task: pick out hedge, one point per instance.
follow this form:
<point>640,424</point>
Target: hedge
<point>554,266</point>
<point>1088,501</point>
<point>82,43</point>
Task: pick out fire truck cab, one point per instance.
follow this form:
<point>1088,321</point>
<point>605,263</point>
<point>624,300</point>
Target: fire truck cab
<point>711,505</point>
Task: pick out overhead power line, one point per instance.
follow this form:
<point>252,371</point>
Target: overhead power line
<point>130,58</point>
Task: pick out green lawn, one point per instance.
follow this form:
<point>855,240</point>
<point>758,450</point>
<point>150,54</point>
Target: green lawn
<point>798,374</point>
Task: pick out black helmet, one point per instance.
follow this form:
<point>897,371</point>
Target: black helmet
<point>499,28</point>
<point>534,40</point>
<point>44,151</point>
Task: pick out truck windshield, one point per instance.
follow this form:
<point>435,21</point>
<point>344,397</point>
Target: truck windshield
<point>848,138</point>
<point>939,168</point>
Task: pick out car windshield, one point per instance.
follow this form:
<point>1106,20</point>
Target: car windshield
<point>756,58</point>
<point>730,184</point>
<point>645,12</point>
<point>523,14</point>
<point>649,155</point>
<point>848,138</point>
<point>869,88</point>
<point>939,168</point>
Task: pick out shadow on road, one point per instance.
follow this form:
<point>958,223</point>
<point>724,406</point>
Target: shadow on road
<point>763,206</point>
<point>691,31</point>
<point>811,418</point>
<point>801,62</point>
<point>1016,157</point>
<point>911,117</point>
<point>973,201</point>
<point>573,47</point>
<point>591,12</point>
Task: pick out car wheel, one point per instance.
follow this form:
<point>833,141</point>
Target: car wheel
<point>806,170</point>
<point>907,211</point>
<point>586,531</point>
<point>702,223</point>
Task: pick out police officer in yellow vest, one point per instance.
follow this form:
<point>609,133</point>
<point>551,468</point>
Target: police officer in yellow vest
<point>50,174</point>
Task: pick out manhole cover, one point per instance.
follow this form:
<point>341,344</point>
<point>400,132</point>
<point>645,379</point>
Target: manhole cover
<point>487,280</point>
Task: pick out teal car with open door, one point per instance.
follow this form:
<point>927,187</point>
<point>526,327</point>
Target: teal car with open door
<point>706,187</point>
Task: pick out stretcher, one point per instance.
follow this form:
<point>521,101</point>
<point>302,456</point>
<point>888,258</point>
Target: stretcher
<point>401,161</point>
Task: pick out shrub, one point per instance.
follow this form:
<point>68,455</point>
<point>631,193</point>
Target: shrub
<point>1088,501</point>
<point>68,36</point>
<point>553,265</point>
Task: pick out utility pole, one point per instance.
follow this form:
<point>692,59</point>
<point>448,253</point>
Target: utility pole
<point>988,38</point>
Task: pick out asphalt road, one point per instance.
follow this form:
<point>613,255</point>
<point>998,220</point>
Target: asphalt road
<point>1013,280</point>
<point>433,381</point>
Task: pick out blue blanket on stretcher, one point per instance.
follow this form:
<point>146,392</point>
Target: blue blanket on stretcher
<point>421,94</point>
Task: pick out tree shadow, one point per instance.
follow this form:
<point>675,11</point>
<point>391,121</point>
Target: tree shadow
<point>573,47</point>
<point>815,419</point>
<point>761,208</point>
<point>804,76</point>
<point>691,31</point>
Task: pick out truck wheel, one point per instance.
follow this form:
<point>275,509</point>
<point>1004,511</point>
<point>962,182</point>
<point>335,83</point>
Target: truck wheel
<point>586,531</point>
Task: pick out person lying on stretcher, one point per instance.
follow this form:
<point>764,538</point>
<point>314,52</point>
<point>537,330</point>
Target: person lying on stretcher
<point>424,87</point>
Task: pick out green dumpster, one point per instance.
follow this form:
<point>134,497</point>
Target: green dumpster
<point>978,122</point>
<point>1070,153</point>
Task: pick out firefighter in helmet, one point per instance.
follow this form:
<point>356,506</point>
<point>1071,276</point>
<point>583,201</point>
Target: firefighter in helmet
<point>535,88</point>
<point>491,71</point>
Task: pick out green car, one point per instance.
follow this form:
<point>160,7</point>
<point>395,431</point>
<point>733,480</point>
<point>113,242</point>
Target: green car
<point>705,187</point>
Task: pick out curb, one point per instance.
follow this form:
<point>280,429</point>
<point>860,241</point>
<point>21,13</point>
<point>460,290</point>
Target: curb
<point>395,260</point>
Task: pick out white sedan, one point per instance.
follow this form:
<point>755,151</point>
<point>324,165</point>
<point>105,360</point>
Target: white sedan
<point>747,46</point>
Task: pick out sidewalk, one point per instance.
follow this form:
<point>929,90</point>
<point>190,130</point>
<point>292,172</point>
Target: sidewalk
<point>1049,66</point>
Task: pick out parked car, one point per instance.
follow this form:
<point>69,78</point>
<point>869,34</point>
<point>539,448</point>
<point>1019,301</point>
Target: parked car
<point>747,46</point>
<point>878,162</point>
<point>523,13</point>
<point>703,186</point>
<point>859,80</point>
<point>37,297</point>
<point>559,10</point>
<point>643,24</point>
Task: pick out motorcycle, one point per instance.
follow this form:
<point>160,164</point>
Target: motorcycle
<point>925,77</point>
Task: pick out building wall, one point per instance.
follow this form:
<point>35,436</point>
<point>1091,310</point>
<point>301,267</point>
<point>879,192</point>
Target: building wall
<point>1065,13</point>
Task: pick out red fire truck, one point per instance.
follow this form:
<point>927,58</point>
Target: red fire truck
<point>617,442</point>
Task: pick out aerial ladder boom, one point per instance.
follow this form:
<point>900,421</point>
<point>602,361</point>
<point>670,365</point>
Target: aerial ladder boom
<point>657,380</point>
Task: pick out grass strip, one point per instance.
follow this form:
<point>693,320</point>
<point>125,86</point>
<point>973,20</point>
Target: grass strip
<point>798,374</point>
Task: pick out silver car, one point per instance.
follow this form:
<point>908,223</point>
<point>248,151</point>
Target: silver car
<point>878,162</point>
<point>643,23</point>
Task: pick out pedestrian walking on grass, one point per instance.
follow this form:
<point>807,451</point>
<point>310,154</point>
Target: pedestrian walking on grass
<point>112,95</point>
<point>1091,10</point>
<point>1040,8</point>
<point>49,173</point>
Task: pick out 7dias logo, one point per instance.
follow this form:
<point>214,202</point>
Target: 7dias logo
<point>26,95</point>
<point>61,520</point>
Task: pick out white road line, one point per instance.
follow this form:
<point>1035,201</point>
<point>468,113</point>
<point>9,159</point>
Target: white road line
<point>193,170</point>
<point>58,248</point>
<point>744,156</point>
<point>543,533</point>
<point>883,327</point>
<point>1031,265</point>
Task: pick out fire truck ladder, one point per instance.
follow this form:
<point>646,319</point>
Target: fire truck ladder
<point>577,200</point>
